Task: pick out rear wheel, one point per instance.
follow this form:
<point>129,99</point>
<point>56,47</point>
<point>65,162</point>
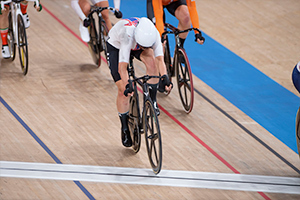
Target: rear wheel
<point>23,46</point>
<point>133,122</point>
<point>93,44</point>
<point>298,130</point>
<point>184,80</point>
<point>168,62</point>
<point>104,36</point>
<point>152,136</point>
<point>11,38</point>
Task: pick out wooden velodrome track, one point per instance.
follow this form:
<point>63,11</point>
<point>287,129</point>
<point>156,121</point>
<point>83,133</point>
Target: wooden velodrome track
<point>60,132</point>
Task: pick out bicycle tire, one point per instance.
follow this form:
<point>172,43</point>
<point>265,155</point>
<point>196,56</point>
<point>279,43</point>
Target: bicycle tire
<point>103,36</point>
<point>134,120</point>
<point>298,130</point>
<point>93,44</point>
<point>23,45</point>
<point>11,38</point>
<point>152,136</point>
<point>168,62</point>
<point>184,80</point>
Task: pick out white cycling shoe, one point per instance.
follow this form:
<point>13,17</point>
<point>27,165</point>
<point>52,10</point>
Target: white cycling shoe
<point>84,33</point>
<point>5,52</point>
<point>26,20</point>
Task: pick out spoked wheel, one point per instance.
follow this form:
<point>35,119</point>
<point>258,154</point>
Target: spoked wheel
<point>23,46</point>
<point>298,130</point>
<point>11,39</point>
<point>152,136</point>
<point>168,62</point>
<point>133,123</point>
<point>104,36</point>
<point>184,80</point>
<point>93,44</point>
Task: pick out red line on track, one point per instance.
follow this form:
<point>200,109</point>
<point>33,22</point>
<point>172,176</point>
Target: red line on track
<point>168,114</point>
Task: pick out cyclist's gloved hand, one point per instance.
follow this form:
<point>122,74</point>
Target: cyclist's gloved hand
<point>200,37</point>
<point>39,8</point>
<point>129,89</point>
<point>86,22</point>
<point>163,82</point>
<point>118,14</point>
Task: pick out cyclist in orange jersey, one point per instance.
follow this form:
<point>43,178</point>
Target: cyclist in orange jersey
<point>184,10</point>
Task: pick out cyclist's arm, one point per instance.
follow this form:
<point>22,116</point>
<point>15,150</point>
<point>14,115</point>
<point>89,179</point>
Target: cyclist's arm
<point>158,14</point>
<point>195,20</point>
<point>117,4</point>
<point>193,13</point>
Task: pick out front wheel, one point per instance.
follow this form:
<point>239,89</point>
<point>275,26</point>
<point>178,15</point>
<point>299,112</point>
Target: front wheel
<point>152,136</point>
<point>23,46</point>
<point>184,80</point>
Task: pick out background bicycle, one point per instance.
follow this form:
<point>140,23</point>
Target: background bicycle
<point>145,122</point>
<point>98,32</point>
<point>180,67</point>
<point>17,36</point>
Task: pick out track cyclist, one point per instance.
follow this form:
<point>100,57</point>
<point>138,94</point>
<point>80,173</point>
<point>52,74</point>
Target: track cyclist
<point>4,24</point>
<point>137,37</point>
<point>83,7</point>
<point>184,10</point>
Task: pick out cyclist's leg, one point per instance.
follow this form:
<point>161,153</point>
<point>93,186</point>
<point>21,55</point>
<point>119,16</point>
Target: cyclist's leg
<point>122,101</point>
<point>105,13</point>
<point>76,7</point>
<point>82,9</point>
<point>4,32</point>
<point>180,10</point>
<point>147,57</point>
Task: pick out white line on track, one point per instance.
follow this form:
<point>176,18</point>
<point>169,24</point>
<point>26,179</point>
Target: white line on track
<point>139,176</point>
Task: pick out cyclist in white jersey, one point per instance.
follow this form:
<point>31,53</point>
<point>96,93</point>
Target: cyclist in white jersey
<point>139,38</point>
<point>82,9</point>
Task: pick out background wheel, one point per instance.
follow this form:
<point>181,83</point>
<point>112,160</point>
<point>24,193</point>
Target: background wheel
<point>298,130</point>
<point>23,46</point>
<point>168,62</point>
<point>184,80</point>
<point>11,39</point>
<point>93,44</point>
<point>152,136</point>
<point>104,36</point>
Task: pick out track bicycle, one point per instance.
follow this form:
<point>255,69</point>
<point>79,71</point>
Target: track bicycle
<point>145,122</point>
<point>180,67</point>
<point>98,32</point>
<point>17,32</point>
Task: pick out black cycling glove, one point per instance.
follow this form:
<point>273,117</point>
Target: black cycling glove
<point>199,36</point>
<point>163,82</point>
